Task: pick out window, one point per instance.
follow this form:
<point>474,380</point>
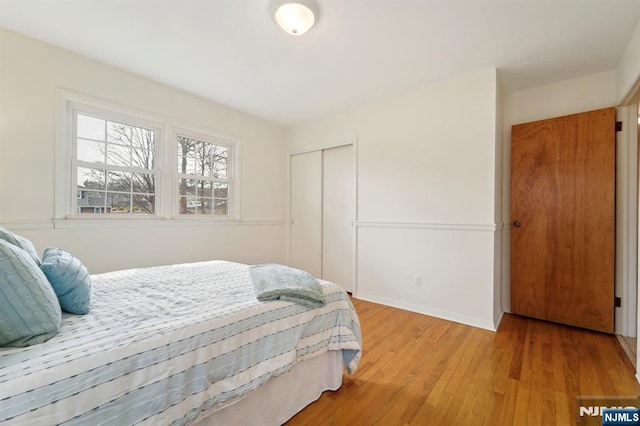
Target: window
<point>203,176</point>
<point>114,162</point>
<point>114,166</point>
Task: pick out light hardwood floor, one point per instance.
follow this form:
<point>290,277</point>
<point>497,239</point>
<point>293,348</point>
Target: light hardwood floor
<point>421,370</point>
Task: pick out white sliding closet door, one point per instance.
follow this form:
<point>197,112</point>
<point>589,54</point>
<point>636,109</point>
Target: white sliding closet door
<point>306,212</point>
<point>322,214</point>
<point>338,214</point>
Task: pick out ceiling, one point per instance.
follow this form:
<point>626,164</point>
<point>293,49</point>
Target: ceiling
<point>231,52</point>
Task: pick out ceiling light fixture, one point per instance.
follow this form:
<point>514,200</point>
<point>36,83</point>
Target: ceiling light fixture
<point>295,18</point>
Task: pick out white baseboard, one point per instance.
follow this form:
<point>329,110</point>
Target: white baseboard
<point>425,310</point>
<point>497,319</point>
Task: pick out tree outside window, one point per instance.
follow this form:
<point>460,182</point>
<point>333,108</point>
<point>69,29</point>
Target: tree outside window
<point>203,182</point>
<point>115,167</point>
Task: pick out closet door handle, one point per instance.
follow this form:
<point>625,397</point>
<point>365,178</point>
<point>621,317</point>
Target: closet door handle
<point>516,224</point>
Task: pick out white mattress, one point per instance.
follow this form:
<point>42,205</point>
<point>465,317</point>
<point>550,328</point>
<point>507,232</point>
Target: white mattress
<point>282,397</point>
<point>162,345</point>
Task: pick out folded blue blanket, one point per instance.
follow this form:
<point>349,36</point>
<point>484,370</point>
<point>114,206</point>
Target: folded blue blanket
<point>278,282</point>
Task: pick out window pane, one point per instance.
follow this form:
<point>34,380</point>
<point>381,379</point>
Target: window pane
<point>183,203</point>
<point>143,159</point>
<point>90,127</point>
<point>191,205</point>
<point>187,187</point>
<point>144,183</point>
<point>220,154</point>
<point>90,201</point>
<point>220,208</point>
<point>185,146</point>
<point>119,181</point>
<point>91,152</point>
<point>90,178</point>
<point>204,188</point>
<point>118,155</point>
<point>187,165</point>
<point>143,204</point>
<point>220,162</point>
<point>202,158</point>
<point>205,161</point>
<point>118,133</point>
<point>221,190</point>
<point>118,203</point>
<point>143,138</point>
<point>220,170</point>
<point>204,206</point>
<point>119,176</point>
<point>194,204</point>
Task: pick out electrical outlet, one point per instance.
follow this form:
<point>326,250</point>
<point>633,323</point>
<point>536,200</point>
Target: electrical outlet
<point>418,281</point>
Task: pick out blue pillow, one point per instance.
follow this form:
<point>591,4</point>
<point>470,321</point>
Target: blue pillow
<point>69,278</point>
<point>29,310</point>
<point>21,242</point>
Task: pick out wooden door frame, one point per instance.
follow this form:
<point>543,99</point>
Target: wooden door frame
<point>321,146</point>
<point>626,317</point>
<point>629,114</point>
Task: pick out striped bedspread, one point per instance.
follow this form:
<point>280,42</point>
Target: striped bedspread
<point>162,344</point>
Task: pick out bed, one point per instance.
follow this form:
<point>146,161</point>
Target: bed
<point>181,344</point>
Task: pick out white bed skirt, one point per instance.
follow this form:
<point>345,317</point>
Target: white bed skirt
<point>282,397</point>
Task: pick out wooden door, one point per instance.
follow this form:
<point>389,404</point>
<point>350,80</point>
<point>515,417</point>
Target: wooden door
<point>563,219</point>
<point>306,212</point>
<point>338,215</point>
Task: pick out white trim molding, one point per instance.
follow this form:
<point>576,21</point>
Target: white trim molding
<point>430,225</point>
<point>325,145</point>
<point>36,224</point>
<point>158,223</point>
<point>50,224</point>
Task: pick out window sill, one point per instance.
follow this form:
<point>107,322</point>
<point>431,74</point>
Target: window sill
<point>142,222</point>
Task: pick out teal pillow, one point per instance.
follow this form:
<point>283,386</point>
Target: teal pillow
<point>29,310</point>
<point>21,242</point>
<point>69,278</point>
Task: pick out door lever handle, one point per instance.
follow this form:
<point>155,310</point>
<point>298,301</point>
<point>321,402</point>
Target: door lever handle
<point>516,224</point>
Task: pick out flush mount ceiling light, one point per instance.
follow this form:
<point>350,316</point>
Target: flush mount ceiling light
<point>295,17</point>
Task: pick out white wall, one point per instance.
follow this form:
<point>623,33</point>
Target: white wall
<point>568,97</point>
<point>554,100</point>
<point>426,196</point>
<point>628,71</point>
<point>30,73</point>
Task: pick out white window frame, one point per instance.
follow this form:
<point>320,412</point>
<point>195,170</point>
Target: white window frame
<point>166,184</point>
<point>232,164</point>
<point>107,115</point>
